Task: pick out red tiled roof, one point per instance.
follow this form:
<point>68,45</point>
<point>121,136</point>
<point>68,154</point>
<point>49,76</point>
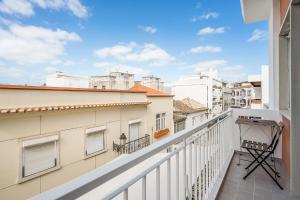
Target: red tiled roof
<point>150,92</point>
<point>68,107</point>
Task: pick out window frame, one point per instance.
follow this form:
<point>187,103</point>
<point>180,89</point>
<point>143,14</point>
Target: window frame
<point>57,166</point>
<point>89,131</point>
<point>162,121</point>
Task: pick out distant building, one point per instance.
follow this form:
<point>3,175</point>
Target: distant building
<point>59,79</point>
<point>115,80</point>
<point>265,90</point>
<point>205,87</point>
<point>188,113</point>
<point>227,96</point>
<point>153,82</point>
<point>247,94</point>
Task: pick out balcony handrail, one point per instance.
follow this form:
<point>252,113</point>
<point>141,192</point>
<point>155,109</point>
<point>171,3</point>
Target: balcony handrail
<point>153,166</point>
<point>87,182</point>
<point>127,147</point>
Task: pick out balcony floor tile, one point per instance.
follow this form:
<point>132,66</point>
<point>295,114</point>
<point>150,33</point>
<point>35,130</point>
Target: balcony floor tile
<point>258,186</point>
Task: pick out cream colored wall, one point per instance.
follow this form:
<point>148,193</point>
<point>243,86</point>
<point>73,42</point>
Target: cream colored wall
<point>70,125</point>
<point>160,105</point>
<point>134,114</point>
<point>11,98</point>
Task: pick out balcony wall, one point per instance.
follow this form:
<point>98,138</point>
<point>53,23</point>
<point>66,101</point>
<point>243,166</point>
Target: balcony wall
<point>256,133</point>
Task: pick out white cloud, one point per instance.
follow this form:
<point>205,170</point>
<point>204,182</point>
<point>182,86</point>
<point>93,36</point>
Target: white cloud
<point>108,67</point>
<point>16,7</point>
<point>10,72</point>
<point>33,45</point>
<point>205,49</point>
<point>233,73</point>
<point>210,30</point>
<point>210,15</point>
<point>148,29</point>
<point>258,35</point>
<point>25,7</point>
<point>147,52</point>
<point>77,8</point>
<point>50,69</point>
<point>6,22</point>
<point>210,64</point>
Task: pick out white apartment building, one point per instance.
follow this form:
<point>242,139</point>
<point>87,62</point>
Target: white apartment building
<point>59,79</point>
<point>115,80</point>
<point>153,82</point>
<point>247,94</point>
<point>227,96</point>
<point>205,87</point>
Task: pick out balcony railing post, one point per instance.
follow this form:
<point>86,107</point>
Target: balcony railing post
<point>190,182</point>
<point>169,179</point>
<point>195,169</point>
<point>200,168</point>
<point>177,176</point>
<point>184,170</point>
<point>125,194</point>
<point>144,182</point>
<point>158,183</point>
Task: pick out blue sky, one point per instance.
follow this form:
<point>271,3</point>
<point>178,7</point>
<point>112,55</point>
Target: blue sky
<point>168,39</point>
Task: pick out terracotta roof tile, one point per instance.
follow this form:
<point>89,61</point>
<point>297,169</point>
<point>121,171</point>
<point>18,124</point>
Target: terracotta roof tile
<point>68,107</point>
<point>150,92</point>
<point>187,107</point>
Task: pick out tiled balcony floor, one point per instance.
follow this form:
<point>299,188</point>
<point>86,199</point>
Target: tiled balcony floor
<point>257,186</point>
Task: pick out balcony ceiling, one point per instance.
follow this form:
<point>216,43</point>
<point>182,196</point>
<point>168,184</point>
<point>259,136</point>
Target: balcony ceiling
<point>255,10</point>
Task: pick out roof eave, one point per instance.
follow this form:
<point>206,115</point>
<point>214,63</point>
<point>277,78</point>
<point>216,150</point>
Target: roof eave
<point>255,10</point>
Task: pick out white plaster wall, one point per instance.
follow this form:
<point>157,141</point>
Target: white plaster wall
<point>256,133</point>
<point>159,105</point>
<point>265,86</point>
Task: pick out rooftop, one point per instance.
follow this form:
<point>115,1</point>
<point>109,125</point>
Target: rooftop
<point>188,106</point>
<point>25,87</point>
<point>150,91</point>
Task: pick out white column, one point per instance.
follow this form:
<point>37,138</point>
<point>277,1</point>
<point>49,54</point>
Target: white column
<point>295,100</point>
<point>274,27</point>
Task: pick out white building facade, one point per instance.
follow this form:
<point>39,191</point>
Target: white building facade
<point>115,80</point>
<point>59,79</point>
<point>153,82</point>
<point>207,90</point>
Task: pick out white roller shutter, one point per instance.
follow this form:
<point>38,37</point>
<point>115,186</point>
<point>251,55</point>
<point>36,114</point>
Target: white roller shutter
<point>39,157</point>
<point>94,142</point>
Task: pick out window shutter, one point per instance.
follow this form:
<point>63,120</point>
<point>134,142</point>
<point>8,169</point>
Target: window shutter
<point>38,158</point>
<point>94,142</point>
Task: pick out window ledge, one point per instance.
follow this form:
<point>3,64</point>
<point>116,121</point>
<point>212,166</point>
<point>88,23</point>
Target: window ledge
<point>24,179</point>
<point>95,154</point>
<point>286,114</point>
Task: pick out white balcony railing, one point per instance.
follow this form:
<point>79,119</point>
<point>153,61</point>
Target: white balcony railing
<point>194,168</point>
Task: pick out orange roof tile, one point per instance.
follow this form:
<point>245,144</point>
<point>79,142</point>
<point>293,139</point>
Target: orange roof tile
<point>69,107</point>
<point>150,92</point>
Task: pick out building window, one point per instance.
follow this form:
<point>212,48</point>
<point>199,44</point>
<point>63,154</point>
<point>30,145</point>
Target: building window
<point>95,141</point>
<point>39,156</point>
<point>179,126</point>
<point>160,121</point>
